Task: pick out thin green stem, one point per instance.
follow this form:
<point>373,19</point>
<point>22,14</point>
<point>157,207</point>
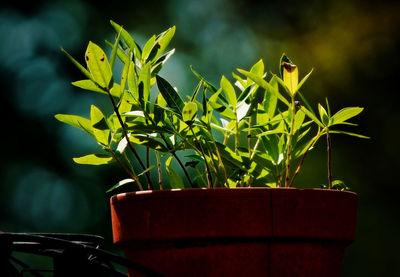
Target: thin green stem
<point>329,150</point>
<point>159,170</point>
<point>289,143</point>
<point>121,122</point>
<point>131,172</point>
<point>208,172</point>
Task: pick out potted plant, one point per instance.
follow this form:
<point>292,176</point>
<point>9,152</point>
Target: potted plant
<point>240,149</point>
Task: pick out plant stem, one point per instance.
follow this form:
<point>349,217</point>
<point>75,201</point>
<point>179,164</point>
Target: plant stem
<point>313,141</point>
<point>209,177</point>
<point>159,170</point>
<point>121,122</point>
<point>329,150</point>
<point>131,173</point>
<point>172,151</point>
<point>249,137</point>
<point>289,144</point>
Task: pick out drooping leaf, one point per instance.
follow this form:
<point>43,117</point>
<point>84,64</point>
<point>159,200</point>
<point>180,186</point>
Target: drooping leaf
<point>98,65</point>
<point>120,184</point>
<point>345,114</point>
<point>149,142</point>
<point>174,179</point>
<point>79,122</point>
<point>172,98</point>
<point>101,130</point>
<point>94,159</point>
<point>158,64</point>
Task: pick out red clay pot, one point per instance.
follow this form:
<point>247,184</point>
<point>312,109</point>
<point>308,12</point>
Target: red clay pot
<point>236,232</point>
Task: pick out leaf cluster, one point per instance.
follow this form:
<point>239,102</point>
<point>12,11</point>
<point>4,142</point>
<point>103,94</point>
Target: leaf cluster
<point>253,131</point>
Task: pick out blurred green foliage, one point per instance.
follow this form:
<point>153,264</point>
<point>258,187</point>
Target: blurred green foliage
<point>352,46</point>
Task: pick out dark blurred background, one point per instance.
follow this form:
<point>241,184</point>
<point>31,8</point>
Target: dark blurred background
<point>352,46</point>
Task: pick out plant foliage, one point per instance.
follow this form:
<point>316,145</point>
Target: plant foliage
<point>252,131</point>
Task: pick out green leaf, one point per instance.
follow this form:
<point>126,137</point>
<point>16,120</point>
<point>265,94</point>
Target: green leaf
<point>345,114</point>
<point>271,101</point>
<point>323,115</point>
<point>148,142</point>
<point>114,51</point>
<point>95,159</point>
<point>101,130</point>
<point>348,133</point>
<point>98,65</point>
<point>121,183</point>
<point>90,85</point>
<point>120,54</point>
<point>303,80</point>
<point>163,41</point>
<point>77,64</point>
<point>290,77</point>
<point>229,91</point>
<point>148,47</point>
<point>128,39</point>
<point>132,81</point>
<point>312,116</point>
<point>189,111</point>
<point>79,122</point>
<point>158,64</point>
<point>210,86</point>
<point>174,179</point>
<point>144,85</point>
<point>264,84</point>
<point>172,98</point>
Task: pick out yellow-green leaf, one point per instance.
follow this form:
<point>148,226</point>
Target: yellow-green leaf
<point>101,130</point>
<point>94,159</point>
<point>98,65</point>
<point>189,111</point>
<point>77,121</point>
<point>229,91</point>
<point>290,76</point>
<point>174,179</point>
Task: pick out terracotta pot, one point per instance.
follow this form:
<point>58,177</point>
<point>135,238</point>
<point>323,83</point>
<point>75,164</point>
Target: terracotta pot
<point>236,232</point>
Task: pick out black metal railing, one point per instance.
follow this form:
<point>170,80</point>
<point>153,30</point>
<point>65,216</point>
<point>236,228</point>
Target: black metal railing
<point>72,255</point>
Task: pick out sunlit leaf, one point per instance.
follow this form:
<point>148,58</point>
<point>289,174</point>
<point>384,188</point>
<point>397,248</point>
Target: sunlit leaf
<point>345,114</point>
<point>174,179</point>
<point>148,47</point>
<point>77,121</point>
<point>229,91</point>
<point>163,40</point>
<point>348,133</point>
<point>120,184</point>
<point>312,116</point>
<point>98,65</point>
<point>189,111</point>
<point>95,159</point>
<point>77,64</point>
<point>323,115</point>
<point>290,77</point>
<point>128,39</point>
<point>101,130</point>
